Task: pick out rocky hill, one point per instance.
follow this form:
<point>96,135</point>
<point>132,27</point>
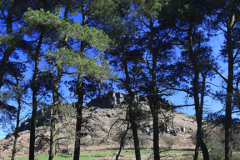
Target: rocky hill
<point>102,127</point>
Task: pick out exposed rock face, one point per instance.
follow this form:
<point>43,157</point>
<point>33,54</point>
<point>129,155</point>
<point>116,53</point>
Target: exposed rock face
<point>43,117</point>
<point>111,99</point>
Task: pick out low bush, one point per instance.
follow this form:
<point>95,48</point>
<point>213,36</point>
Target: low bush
<point>170,141</point>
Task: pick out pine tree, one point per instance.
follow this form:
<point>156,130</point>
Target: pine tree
<point>156,41</point>
<point>226,18</point>
<point>127,61</point>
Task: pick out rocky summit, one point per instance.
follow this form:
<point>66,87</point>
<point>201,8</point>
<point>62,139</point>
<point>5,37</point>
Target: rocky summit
<point>112,99</point>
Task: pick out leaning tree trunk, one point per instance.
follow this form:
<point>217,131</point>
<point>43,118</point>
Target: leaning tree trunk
<point>122,142</point>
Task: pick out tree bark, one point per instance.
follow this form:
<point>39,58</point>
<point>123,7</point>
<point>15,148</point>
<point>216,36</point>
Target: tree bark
<point>132,115</point>
<point>17,127</point>
<point>53,136</point>
<point>80,95</point>
<point>122,142</point>
<point>79,118</point>
<point>132,118</point>
<point>34,99</point>
<point>154,94</point>
<point>198,108</point>
<point>228,120</point>
<point>197,146</point>
<point>155,110</point>
<point>54,115</point>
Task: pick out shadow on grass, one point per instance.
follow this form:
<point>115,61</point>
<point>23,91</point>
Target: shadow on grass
<point>183,150</point>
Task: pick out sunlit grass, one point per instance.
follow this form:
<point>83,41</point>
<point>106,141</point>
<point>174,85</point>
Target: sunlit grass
<point>90,155</point>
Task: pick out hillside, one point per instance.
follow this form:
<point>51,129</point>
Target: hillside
<point>102,129</point>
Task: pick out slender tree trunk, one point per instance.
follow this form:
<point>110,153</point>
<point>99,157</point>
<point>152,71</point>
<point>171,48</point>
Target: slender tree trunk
<point>79,118</point>
<point>155,111</point>
<point>17,128</point>
<point>155,137</point>
<point>154,94</point>
<point>80,95</point>
<point>228,120</point>
<point>34,99</point>
<point>132,115</point>
<point>202,139</point>
<point>198,108</point>
<point>197,147</point>
<point>132,118</point>
<point>155,107</point>
<point>54,115</point>
<point>122,142</point>
<point>135,134</point>
<point>53,136</point>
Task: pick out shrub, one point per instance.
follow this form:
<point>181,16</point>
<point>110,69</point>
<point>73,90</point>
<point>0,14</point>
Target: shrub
<point>145,143</point>
<point>217,152</point>
<point>170,141</point>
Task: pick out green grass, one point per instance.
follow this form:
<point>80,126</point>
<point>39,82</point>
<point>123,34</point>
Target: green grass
<point>59,157</point>
<point>90,155</point>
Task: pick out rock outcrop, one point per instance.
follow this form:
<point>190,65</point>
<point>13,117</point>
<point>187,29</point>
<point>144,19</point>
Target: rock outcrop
<point>111,99</point>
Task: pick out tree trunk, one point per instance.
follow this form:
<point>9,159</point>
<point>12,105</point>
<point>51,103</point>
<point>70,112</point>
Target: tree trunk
<point>80,94</point>
<point>79,118</point>
<point>154,94</point>
<point>132,118</point>
<point>54,115</point>
<point>155,109</point>
<point>132,115</point>
<point>122,142</point>
<point>198,108</point>
<point>17,128</point>
<point>202,139</point>
<point>155,137</point>
<point>228,120</point>
<point>197,147</point>
<point>53,136</point>
<point>135,136</point>
<point>34,99</point>
<point>155,113</point>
